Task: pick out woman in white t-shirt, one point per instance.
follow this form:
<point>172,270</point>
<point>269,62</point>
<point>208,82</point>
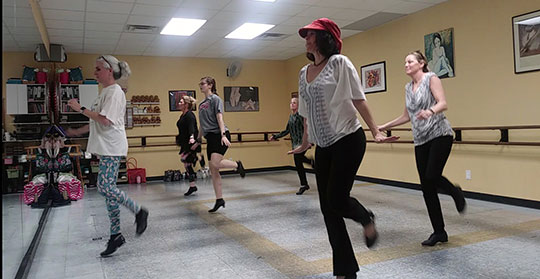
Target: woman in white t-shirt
<point>108,141</point>
<point>330,96</point>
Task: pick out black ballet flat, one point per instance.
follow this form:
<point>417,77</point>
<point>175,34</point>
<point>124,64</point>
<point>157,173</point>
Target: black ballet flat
<point>370,241</point>
<point>434,238</point>
<point>190,191</point>
<point>459,199</point>
<point>219,203</point>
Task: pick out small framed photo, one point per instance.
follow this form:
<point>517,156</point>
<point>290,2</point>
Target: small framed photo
<point>526,34</point>
<point>241,98</point>
<point>374,77</point>
<point>174,98</point>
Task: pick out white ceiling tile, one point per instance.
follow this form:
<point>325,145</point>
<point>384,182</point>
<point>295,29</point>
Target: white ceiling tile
<point>65,32</point>
<point>205,4</point>
<point>65,40</point>
<point>150,10</point>
<point>160,2</point>
<point>195,13</point>
<point>110,27</point>
<point>27,38</point>
<point>351,14</point>
<point>101,34</point>
<point>62,15</point>
<point>299,21</point>
<point>186,53</point>
<point>407,7</point>
<point>137,37</point>
<point>100,42</point>
<point>99,49</point>
<point>148,20</point>
<point>19,22</point>
<point>19,12</point>
<point>24,30</point>
<point>106,18</point>
<point>70,5</point>
<point>318,12</point>
<point>166,41</point>
<point>372,5</point>
<point>257,7</point>
<point>16,3</point>
<point>108,7</point>
<point>138,45</point>
<point>427,1</point>
<point>285,29</point>
<point>128,52</point>
<point>64,24</point>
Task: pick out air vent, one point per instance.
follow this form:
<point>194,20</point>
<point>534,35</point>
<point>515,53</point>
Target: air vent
<point>272,36</point>
<point>137,28</point>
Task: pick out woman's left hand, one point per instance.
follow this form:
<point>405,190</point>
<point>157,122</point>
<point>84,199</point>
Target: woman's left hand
<point>225,141</point>
<point>381,138</point>
<point>74,104</point>
<point>424,114</point>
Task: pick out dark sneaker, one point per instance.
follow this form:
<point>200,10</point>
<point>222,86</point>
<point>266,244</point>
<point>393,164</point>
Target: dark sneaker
<point>459,199</point>
<point>302,189</point>
<point>114,242</point>
<point>434,238</point>
<point>240,169</point>
<point>141,220</point>
<point>191,191</point>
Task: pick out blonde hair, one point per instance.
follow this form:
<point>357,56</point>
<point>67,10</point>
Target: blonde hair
<point>189,101</point>
<point>421,59</point>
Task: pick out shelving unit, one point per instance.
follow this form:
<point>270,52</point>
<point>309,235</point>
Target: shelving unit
<point>27,99</point>
<point>140,115</point>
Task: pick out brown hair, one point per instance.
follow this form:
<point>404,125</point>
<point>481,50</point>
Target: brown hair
<point>189,101</point>
<point>210,81</point>
<point>420,58</point>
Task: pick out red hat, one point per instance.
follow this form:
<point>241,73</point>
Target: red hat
<point>324,24</point>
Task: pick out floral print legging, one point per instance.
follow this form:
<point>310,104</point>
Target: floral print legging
<point>106,184</point>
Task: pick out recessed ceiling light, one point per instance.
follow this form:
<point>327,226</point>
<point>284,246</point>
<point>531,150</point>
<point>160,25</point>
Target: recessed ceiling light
<point>182,26</point>
<point>249,31</point>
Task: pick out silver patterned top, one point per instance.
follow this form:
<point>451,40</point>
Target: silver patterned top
<point>437,125</point>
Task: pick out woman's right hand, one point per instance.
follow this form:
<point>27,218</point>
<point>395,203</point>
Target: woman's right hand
<point>305,146</point>
<point>72,132</point>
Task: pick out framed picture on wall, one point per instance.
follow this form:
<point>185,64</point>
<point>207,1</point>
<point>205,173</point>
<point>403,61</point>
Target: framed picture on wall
<point>374,77</point>
<point>439,50</point>
<point>241,98</point>
<point>526,34</point>
<point>174,98</point>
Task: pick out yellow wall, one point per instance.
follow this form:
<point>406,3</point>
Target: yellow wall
<point>484,92</point>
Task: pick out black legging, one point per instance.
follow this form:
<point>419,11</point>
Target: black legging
<point>299,160</point>
<point>430,160</point>
<point>335,169</point>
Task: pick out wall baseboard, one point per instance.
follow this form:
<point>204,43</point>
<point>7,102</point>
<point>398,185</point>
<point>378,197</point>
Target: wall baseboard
<point>471,195</point>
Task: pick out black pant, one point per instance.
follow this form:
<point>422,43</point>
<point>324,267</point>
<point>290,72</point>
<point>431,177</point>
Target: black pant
<point>299,160</point>
<point>430,160</point>
<point>335,169</point>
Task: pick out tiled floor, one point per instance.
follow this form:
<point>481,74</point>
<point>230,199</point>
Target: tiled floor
<point>266,231</point>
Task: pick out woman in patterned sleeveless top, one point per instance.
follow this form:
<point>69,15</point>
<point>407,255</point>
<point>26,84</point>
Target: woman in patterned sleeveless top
<point>432,133</point>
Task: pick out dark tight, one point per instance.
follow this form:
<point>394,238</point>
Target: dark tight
<point>430,160</point>
<point>335,169</point>
<point>299,160</point>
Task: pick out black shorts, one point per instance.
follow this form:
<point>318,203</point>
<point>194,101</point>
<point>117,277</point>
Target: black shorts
<point>214,145</point>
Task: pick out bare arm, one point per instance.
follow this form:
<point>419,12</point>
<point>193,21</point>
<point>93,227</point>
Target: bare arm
<point>362,107</point>
<point>438,93</point>
<point>400,120</point>
<point>224,139</point>
<point>79,131</point>
<point>90,114</point>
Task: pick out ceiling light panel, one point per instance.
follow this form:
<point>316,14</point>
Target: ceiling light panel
<point>182,26</point>
<point>248,31</point>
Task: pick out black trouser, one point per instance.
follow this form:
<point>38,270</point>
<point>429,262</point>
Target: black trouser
<point>335,169</point>
<point>430,160</point>
<point>299,160</point>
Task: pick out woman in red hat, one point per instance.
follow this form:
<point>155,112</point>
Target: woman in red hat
<point>330,96</point>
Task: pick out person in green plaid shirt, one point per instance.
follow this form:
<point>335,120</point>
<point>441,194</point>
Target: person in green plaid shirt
<point>295,127</point>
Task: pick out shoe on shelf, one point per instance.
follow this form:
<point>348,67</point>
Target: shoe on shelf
<point>302,189</point>
<point>370,241</point>
<point>190,191</point>
<point>434,238</point>
<point>240,169</point>
<point>114,242</point>
<point>141,219</point>
<point>459,199</point>
<point>219,203</point>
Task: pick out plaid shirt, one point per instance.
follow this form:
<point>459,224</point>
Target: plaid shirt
<point>295,126</point>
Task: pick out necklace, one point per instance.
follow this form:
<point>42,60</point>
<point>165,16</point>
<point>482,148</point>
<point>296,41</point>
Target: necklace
<point>317,64</point>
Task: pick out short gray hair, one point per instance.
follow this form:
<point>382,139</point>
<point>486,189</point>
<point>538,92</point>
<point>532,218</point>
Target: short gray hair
<point>120,69</point>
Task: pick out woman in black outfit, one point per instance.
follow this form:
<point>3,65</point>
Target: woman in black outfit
<point>187,133</point>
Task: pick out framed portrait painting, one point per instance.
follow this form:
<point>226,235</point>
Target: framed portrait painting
<point>374,77</point>
<point>174,98</point>
<point>439,50</point>
<point>241,98</point>
<point>526,35</point>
